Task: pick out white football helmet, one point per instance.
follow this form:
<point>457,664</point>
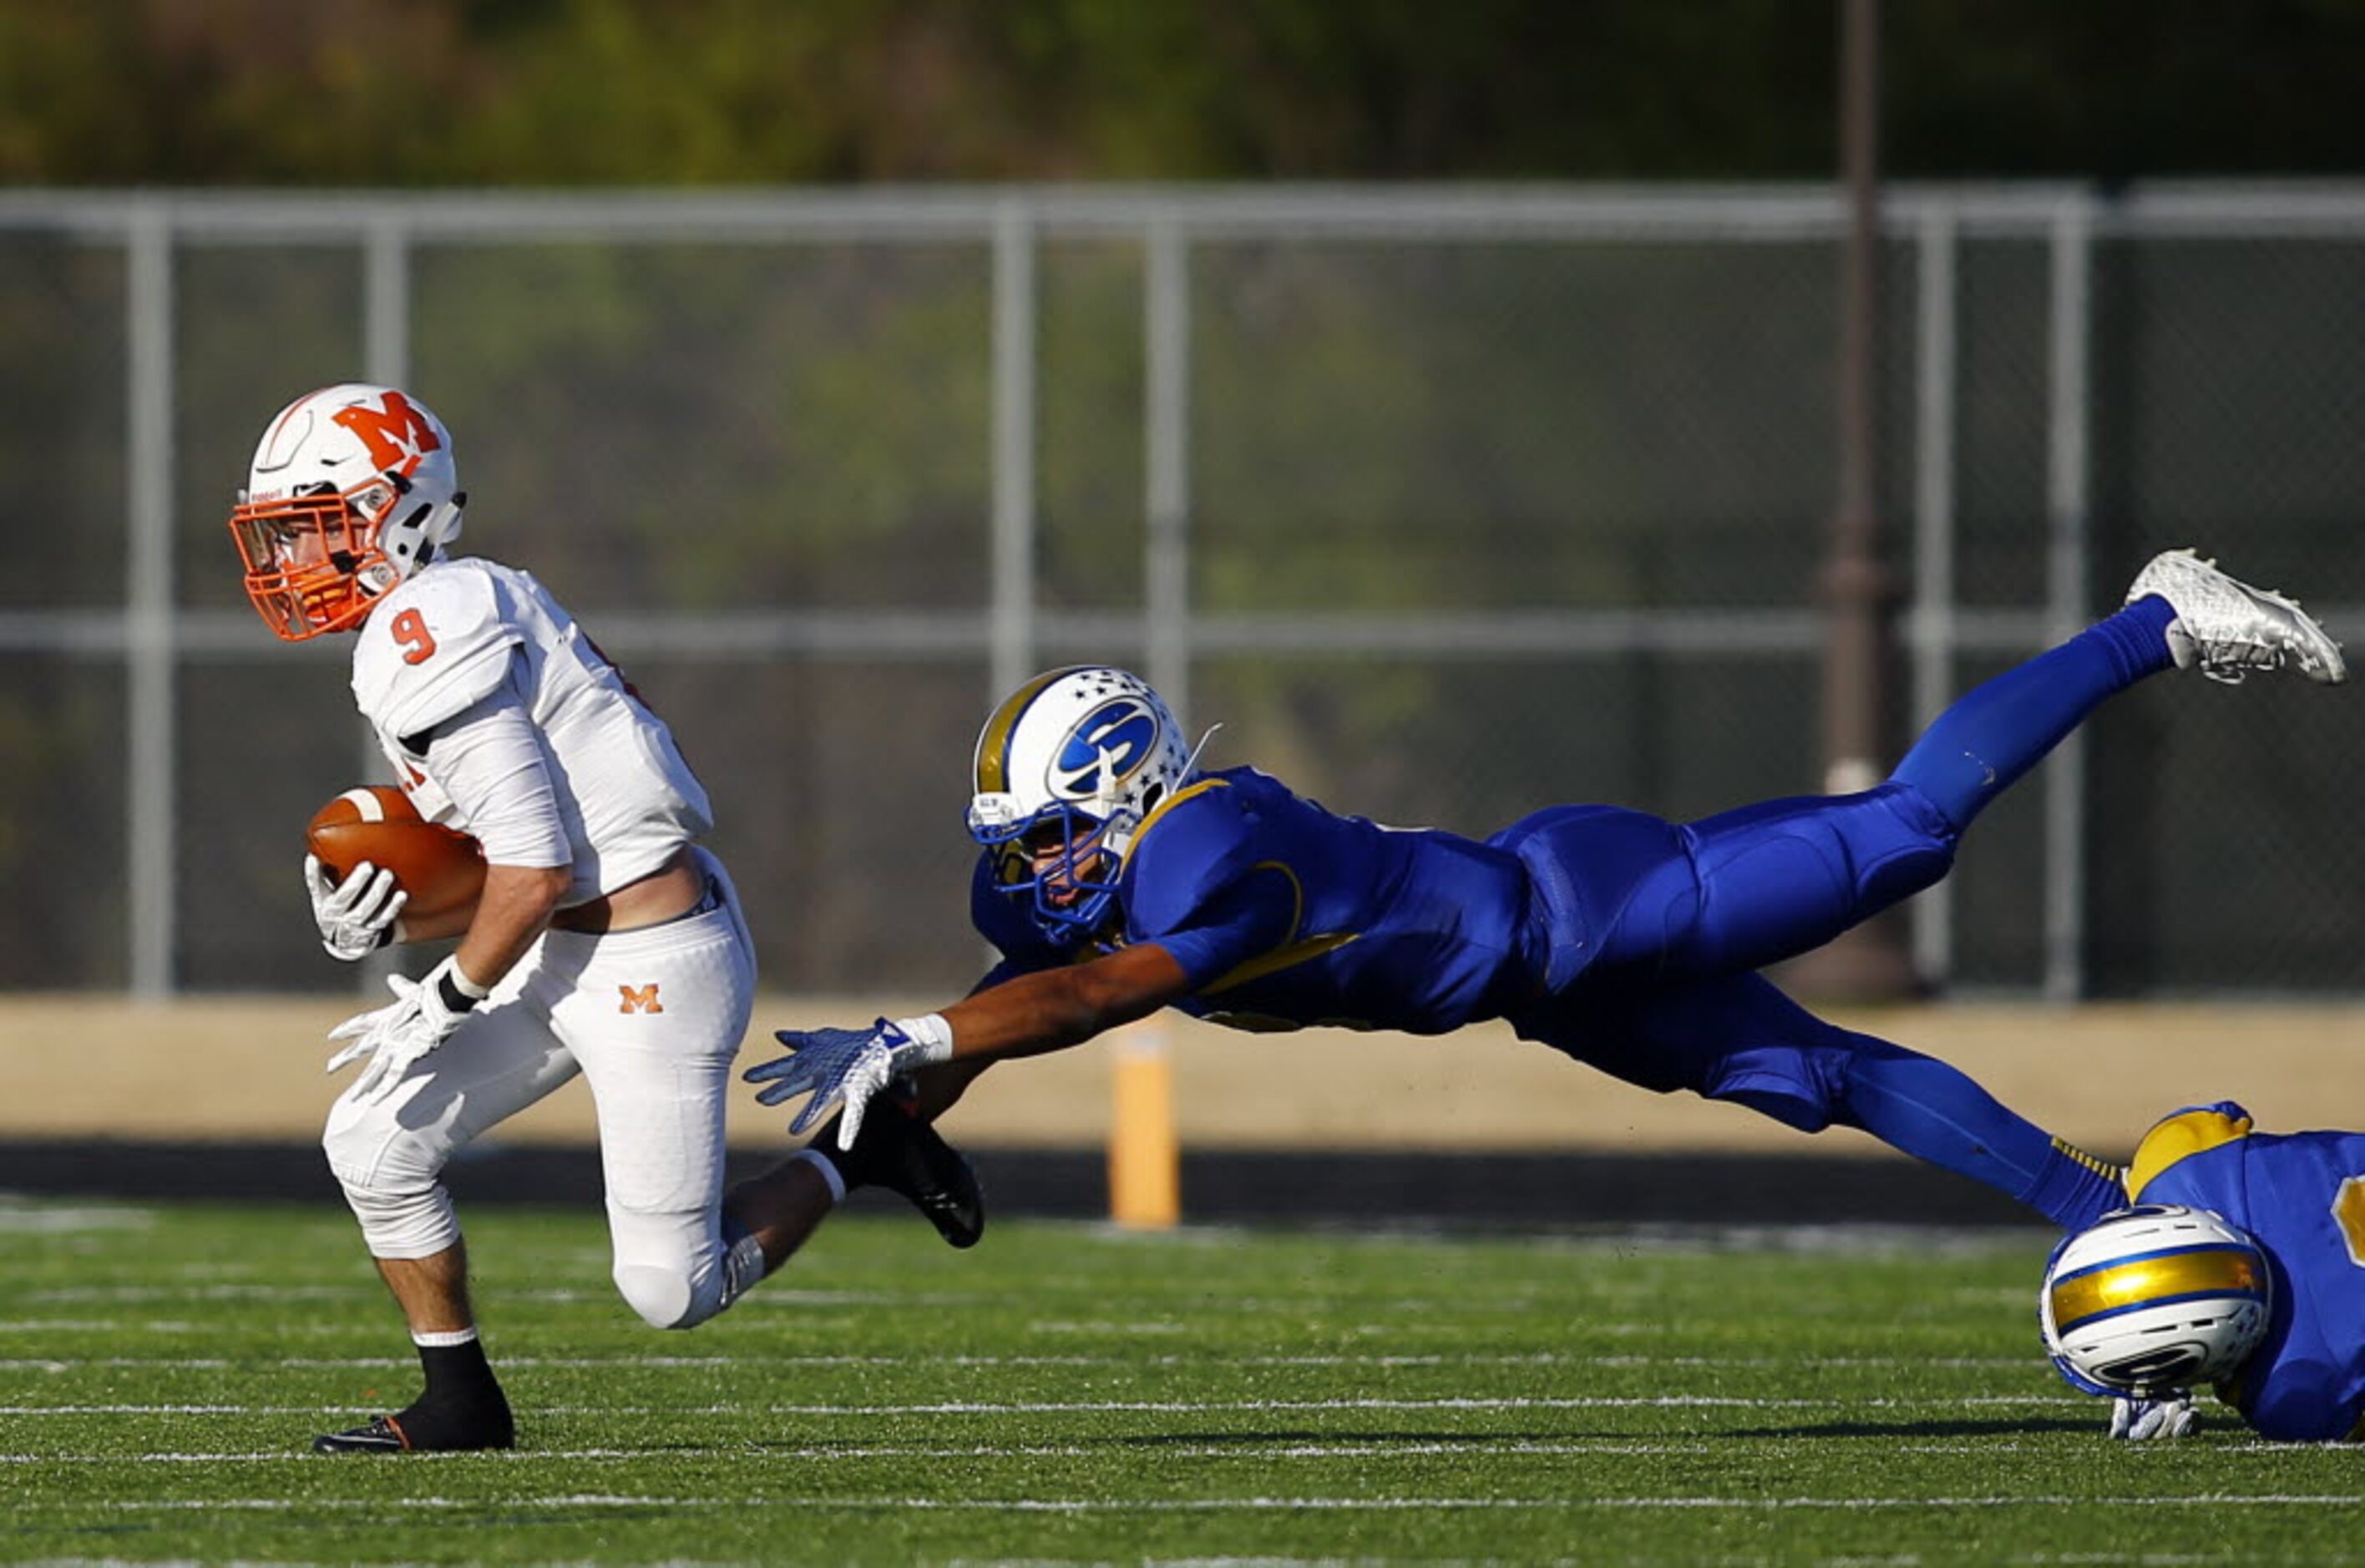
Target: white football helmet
<point>2154,1298</point>
<point>353,488</point>
<point>1072,762</point>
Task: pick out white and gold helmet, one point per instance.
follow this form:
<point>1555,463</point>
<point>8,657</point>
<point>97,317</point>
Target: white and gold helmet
<point>1075,757</point>
<point>2154,1298</point>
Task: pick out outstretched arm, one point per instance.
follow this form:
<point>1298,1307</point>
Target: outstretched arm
<point>1051,1010</point>
<point>1047,1011</point>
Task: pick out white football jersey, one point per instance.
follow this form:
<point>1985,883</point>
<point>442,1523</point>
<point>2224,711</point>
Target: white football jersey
<point>451,636</point>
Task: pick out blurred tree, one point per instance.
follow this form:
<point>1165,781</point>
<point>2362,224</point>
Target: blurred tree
<point>712,92</point>
<point>1373,433</point>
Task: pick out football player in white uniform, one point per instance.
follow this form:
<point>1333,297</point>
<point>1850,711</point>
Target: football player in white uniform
<point>606,941</point>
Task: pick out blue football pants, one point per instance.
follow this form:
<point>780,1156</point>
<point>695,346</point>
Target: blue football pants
<point>1657,929</point>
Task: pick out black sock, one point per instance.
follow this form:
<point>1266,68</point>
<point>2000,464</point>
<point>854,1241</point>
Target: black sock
<point>823,1150</point>
<point>463,1406</point>
<point>458,1371</point>
<point>871,1162</point>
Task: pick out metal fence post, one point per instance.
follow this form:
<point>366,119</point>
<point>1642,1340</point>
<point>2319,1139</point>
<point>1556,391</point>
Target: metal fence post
<point>385,302</point>
<point>1936,310</point>
<point>1145,1152</point>
<point>2066,572</point>
<point>1012,612</point>
<point>385,359</point>
<point>152,660</point>
<point>1166,565</point>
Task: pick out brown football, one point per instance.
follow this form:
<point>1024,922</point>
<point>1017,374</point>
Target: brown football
<point>441,869</point>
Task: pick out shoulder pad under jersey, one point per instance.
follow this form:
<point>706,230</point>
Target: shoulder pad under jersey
<point>2196,1130</point>
<point>436,645</point>
<point>1191,848</point>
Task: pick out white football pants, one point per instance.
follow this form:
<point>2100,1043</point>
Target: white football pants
<point>652,1018</point>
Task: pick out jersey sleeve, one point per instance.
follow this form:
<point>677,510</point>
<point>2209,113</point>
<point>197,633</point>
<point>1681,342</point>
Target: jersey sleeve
<point>1194,886</point>
<point>488,762</point>
<point>1232,926</point>
<point>436,646</point>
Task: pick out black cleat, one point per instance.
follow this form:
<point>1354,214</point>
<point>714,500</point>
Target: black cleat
<point>381,1436</point>
<point>384,1434</point>
<point>898,1151</point>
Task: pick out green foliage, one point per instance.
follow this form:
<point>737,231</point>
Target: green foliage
<point>736,91</point>
<point>721,425</point>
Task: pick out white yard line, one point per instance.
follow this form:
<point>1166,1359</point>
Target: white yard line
<point>59,1294</point>
<point>1154,1406</point>
<point>1217,1504</point>
<point>48,1219</point>
<point>94,1325</point>
<point>1213,1361</point>
<point>1523,1402</point>
<point>1248,1450</point>
<point>368,1291</point>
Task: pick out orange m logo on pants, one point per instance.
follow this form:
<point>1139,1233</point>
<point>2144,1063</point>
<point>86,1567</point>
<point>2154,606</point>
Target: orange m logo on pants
<point>640,998</point>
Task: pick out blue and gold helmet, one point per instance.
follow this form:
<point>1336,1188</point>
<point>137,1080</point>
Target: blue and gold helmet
<point>2153,1299</point>
<point>1066,769</point>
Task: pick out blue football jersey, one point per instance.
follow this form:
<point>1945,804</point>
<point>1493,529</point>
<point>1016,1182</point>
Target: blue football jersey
<point>2302,1198</point>
<point>1284,914</point>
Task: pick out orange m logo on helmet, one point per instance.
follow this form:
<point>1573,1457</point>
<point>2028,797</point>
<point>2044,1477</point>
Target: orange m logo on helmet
<point>392,433</point>
<point>640,998</point>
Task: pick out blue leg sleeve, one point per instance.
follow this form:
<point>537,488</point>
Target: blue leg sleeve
<point>1993,734</point>
<point>1936,1113</point>
<point>1752,886</point>
<point>1739,1039</point>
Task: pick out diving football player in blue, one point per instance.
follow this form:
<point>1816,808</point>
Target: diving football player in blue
<point>2242,1266</point>
<point>1118,880</point>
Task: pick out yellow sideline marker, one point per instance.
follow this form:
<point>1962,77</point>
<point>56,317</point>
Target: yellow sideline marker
<point>1145,1161</point>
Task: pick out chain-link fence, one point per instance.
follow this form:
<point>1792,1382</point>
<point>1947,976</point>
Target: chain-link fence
<point>1450,505</point>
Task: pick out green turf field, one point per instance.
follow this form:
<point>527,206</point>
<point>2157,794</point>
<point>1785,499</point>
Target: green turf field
<point>1065,1393</point>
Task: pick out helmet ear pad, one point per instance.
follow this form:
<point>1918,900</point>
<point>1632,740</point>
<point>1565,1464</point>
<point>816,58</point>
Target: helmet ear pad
<point>422,531</point>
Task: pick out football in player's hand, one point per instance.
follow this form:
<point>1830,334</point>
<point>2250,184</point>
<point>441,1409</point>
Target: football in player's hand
<point>441,869</point>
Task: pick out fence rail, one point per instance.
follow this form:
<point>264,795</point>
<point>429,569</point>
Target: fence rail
<point>2070,379</point>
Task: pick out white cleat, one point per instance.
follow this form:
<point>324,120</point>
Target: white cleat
<point>2226,629</point>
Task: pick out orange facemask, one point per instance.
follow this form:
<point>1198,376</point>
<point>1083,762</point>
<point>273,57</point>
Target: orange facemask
<point>312,561</point>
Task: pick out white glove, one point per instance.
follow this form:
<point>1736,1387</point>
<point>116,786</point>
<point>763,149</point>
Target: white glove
<point>2170,1416</point>
<point>872,1073</point>
<point>421,1017</point>
<point>356,917</point>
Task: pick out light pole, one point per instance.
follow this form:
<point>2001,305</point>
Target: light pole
<point>1856,587</point>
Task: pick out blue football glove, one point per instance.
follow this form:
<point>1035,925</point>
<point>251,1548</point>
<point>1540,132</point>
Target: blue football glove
<point>2139,1420</point>
<point>853,1065</point>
